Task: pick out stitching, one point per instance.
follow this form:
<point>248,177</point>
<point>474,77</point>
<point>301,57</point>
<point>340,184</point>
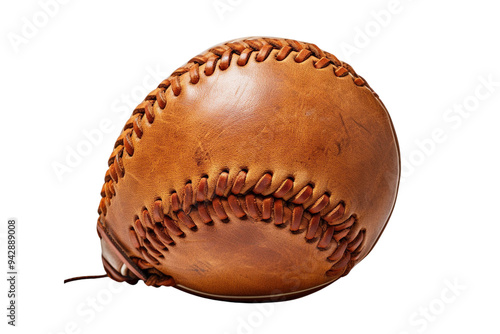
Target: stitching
<point>154,232</point>
<point>220,57</point>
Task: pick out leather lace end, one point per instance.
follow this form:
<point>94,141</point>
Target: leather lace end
<point>84,277</point>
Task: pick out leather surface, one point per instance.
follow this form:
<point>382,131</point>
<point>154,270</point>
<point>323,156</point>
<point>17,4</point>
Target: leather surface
<point>275,120</point>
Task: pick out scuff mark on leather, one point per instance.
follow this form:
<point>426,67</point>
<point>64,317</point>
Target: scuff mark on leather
<point>360,125</point>
<point>201,156</point>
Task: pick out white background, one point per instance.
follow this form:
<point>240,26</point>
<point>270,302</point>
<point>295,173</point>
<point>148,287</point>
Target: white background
<point>79,66</point>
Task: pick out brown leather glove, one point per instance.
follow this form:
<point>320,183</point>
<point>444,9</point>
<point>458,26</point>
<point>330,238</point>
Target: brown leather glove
<point>263,169</point>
